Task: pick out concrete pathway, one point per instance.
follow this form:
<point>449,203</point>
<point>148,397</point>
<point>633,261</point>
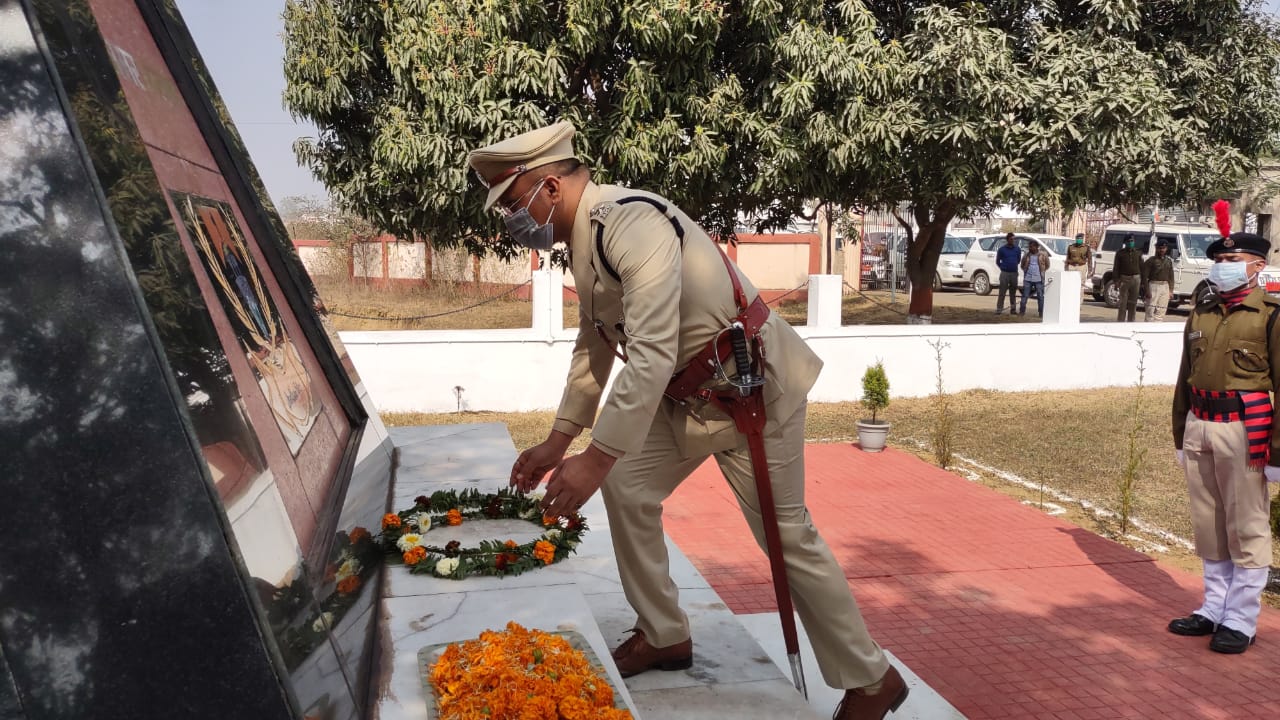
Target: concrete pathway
<point>1005,611</point>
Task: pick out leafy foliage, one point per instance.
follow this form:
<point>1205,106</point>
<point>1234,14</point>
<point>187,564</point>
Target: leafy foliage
<point>935,110</point>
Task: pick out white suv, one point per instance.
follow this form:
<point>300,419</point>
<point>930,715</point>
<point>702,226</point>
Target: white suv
<point>1187,244</point>
<point>980,268</point>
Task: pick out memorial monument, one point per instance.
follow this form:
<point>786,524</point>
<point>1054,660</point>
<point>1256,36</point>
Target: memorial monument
<point>191,478</point>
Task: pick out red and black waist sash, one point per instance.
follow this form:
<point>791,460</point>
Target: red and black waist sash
<point>1226,406</point>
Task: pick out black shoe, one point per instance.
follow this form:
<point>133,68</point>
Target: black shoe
<point>1193,625</point>
<point>1230,642</point>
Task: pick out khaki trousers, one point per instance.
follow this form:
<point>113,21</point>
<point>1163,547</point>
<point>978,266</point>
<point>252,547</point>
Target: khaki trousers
<point>1230,505</point>
<point>640,482</point>
<point>1159,301</point>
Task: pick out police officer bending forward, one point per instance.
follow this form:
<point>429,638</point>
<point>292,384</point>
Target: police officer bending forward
<point>655,291</point>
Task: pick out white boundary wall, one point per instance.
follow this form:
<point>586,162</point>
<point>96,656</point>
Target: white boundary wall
<point>523,370</point>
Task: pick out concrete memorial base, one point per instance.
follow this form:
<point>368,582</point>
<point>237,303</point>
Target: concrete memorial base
<point>732,675</point>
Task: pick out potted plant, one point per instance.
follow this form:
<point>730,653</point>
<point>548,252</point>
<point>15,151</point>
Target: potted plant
<point>875,397</point>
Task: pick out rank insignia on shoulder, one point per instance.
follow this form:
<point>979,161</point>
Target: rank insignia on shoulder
<point>601,211</point>
<point>1194,335</point>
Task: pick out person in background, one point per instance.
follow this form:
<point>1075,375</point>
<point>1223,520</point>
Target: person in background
<point>1007,258</point>
<point>1157,281</point>
<point>1128,270</point>
<point>1079,257</point>
<point>1035,267</point>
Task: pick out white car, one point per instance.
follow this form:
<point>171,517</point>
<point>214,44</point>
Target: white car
<point>980,270</point>
<point>951,262</point>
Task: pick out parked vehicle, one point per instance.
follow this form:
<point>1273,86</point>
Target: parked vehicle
<point>1187,243</point>
<point>980,270</point>
<point>951,263</point>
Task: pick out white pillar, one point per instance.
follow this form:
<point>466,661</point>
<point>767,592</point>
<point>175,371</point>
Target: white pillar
<point>548,294</point>
<point>826,292</point>
<point>1062,297</point>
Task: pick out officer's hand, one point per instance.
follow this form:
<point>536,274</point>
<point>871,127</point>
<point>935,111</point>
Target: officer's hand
<point>534,463</point>
<point>575,480</point>
<point>1272,473</point>
<point>1181,457</point>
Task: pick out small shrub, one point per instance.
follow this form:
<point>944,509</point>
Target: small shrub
<point>943,428</point>
<point>875,390</point>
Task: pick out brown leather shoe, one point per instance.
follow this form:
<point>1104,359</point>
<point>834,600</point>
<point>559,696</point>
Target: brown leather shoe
<point>858,705</point>
<point>636,655</point>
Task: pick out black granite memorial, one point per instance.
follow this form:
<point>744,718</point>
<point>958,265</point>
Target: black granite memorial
<point>189,477</point>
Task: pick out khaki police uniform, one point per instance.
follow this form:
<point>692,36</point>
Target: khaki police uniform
<point>1228,350</point>
<point>659,299</point>
<point>1157,283</point>
<point>1078,261</point>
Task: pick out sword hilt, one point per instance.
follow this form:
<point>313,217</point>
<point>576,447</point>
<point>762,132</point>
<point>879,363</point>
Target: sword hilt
<point>746,380</point>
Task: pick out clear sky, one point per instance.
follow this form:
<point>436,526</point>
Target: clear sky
<point>240,42</point>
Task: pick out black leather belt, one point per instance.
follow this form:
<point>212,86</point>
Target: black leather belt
<point>1222,405</point>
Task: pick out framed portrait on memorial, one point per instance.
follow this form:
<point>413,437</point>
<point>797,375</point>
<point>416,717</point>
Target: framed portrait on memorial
<point>242,292</point>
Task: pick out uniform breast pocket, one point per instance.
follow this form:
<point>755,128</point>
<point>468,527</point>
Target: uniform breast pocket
<point>1249,359</point>
<point>1197,348</point>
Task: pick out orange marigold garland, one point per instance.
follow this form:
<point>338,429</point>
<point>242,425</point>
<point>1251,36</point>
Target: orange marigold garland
<point>520,673</point>
<point>405,534</point>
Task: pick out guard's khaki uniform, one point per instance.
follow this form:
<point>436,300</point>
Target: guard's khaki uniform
<point>1228,350</point>
<point>669,298</point>
<point>1078,261</point>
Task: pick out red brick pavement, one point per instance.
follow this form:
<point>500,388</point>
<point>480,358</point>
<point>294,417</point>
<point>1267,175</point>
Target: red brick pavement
<point>1007,612</point>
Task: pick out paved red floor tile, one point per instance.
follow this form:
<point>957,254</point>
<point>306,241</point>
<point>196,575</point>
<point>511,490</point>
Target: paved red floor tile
<point>1008,612</point>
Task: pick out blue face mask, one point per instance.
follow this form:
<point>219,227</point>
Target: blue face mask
<point>1228,276</point>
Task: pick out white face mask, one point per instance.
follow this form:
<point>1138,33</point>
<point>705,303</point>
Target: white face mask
<point>1228,276</point>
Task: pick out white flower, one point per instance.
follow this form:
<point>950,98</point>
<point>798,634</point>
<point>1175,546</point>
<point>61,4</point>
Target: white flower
<point>324,621</point>
<point>530,514</point>
<point>446,566</point>
<point>408,541</point>
<point>573,544</point>
<point>347,569</point>
<point>538,495</point>
<point>422,521</point>
<point>552,535</point>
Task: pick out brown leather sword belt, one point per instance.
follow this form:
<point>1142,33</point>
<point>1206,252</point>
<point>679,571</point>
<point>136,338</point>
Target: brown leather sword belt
<point>707,363</point>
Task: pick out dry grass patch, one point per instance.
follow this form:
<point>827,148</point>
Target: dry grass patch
<point>876,308</point>
<point>443,300</point>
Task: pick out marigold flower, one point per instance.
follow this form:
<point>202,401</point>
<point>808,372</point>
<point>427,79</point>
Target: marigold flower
<point>349,585</point>
<point>519,674</point>
<point>544,551</point>
<point>390,520</point>
<point>357,535</point>
<point>454,516</point>
<point>415,555</point>
<point>422,500</point>
<point>510,544</point>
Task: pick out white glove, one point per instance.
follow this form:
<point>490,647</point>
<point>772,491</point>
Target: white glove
<point>1182,459</point>
<point>1272,473</point>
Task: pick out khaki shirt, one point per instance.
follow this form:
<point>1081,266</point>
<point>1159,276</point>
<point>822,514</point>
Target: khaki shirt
<point>672,299</point>
<point>1077,254</point>
<point>1229,351</point>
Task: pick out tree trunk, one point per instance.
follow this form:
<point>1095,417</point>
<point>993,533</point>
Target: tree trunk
<point>923,252</point>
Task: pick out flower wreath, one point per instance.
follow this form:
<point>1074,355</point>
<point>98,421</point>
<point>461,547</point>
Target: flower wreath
<point>405,534</point>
